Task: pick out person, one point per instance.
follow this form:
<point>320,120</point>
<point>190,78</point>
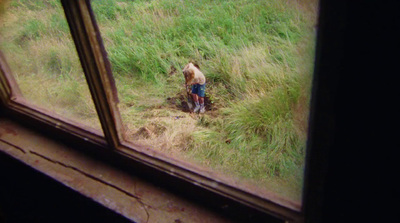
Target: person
<point>197,80</point>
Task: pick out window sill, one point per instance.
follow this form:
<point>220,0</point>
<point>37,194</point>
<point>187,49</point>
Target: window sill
<point>120,191</point>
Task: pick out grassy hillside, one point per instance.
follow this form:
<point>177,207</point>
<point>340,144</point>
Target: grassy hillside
<point>257,57</point>
<point>38,47</point>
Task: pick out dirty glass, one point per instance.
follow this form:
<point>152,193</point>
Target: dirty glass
<point>38,47</point>
<point>257,59</point>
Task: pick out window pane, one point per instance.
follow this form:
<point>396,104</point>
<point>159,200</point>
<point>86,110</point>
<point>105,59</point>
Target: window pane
<point>37,43</point>
<point>257,58</point>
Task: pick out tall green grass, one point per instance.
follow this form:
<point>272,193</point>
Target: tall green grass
<point>257,57</point>
<point>36,41</point>
<point>146,38</point>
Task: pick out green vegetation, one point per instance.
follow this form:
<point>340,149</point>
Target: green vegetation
<point>36,41</point>
<point>257,57</point>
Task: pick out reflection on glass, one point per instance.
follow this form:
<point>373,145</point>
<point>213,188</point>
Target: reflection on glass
<point>36,41</point>
<point>257,57</point>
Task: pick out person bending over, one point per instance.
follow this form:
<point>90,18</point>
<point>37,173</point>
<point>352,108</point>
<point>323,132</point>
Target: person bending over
<point>195,78</point>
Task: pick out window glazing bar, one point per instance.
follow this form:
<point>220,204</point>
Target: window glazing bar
<point>8,87</point>
<point>96,67</point>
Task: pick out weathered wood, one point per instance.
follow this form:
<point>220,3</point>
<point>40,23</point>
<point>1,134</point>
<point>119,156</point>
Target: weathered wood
<point>96,67</point>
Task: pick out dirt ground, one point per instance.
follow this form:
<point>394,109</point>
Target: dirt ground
<point>167,127</point>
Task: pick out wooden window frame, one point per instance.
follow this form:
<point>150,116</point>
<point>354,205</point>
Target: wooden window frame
<point>96,67</point>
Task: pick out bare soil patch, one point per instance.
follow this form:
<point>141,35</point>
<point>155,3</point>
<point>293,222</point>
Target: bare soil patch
<point>180,102</point>
<point>149,131</point>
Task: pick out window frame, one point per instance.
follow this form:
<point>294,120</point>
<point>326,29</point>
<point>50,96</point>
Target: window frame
<point>11,98</point>
<point>97,70</point>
